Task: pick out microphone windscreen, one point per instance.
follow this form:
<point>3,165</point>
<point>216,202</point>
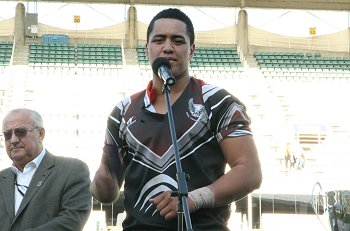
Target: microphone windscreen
<point>158,62</point>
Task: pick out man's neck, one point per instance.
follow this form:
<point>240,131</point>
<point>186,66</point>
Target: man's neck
<point>175,92</point>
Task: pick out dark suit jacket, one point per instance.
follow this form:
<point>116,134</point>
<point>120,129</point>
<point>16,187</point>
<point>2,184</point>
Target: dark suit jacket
<point>57,199</point>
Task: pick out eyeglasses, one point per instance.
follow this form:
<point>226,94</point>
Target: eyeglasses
<point>19,132</point>
<point>18,186</point>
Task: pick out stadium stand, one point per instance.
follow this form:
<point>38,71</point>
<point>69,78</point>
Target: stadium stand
<point>5,52</point>
<point>46,54</point>
<point>301,60</point>
<point>290,93</point>
<point>82,54</point>
<point>302,65</point>
<point>99,54</point>
<point>271,100</point>
<point>216,57</point>
<point>141,56</point>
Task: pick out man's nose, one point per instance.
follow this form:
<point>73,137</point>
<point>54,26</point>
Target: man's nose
<point>14,138</point>
<point>168,46</point>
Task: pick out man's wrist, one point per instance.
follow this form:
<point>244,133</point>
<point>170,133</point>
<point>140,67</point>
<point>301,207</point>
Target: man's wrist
<point>202,198</point>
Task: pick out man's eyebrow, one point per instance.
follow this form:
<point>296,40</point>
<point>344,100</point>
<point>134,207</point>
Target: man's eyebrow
<point>172,36</point>
<point>178,36</point>
<point>159,35</point>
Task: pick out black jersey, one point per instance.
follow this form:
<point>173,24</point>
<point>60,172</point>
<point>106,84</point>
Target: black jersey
<point>204,115</point>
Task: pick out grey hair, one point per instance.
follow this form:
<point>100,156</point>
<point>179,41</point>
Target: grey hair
<point>36,117</point>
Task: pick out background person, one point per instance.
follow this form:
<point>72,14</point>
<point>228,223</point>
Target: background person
<point>212,130</point>
<point>299,155</point>
<point>40,191</point>
<point>289,158</point>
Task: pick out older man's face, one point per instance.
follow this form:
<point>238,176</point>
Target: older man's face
<point>27,144</point>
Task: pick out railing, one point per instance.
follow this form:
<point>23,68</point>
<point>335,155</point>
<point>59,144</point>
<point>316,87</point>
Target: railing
<point>114,32</point>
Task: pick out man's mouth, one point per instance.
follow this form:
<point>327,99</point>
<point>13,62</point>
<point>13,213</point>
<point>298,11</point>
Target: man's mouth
<point>16,148</point>
<point>170,59</point>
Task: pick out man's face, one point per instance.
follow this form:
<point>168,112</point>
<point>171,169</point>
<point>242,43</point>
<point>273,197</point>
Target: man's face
<point>170,40</point>
<point>22,150</point>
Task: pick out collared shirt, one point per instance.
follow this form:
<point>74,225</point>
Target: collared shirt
<point>24,178</point>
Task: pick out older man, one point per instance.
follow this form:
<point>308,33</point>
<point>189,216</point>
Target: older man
<point>40,191</point>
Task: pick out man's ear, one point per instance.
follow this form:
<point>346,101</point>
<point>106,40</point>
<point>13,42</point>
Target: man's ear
<point>41,133</point>
<point>192,49</point>
<point>146,47</point>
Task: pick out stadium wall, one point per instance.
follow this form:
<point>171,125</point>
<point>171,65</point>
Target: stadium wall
<point>116,31</point>
<point>258,39</point>
<point>7,27</point>
<point>336,42</point>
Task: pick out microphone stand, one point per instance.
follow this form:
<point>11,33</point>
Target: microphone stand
<point>182,192</point>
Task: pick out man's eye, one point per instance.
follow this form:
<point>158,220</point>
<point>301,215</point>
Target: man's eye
<point>179,41</point>
<point>157,40</point>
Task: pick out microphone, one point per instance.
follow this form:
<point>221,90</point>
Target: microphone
<point>162,68</point>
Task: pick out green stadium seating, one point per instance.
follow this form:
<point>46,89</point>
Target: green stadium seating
<point>5,53</point>
<point>141,56</point>
<point>300,60</point>
<point>87,54</point>
<point>40,53</point>
<point>99,54</point>
<point>216,57</point>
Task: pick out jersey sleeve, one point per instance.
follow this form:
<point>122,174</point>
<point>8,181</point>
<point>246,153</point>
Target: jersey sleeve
<point>113,144</point>
<point>228,117</point>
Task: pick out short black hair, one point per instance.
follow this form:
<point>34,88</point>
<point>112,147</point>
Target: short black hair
<point>173,13</point>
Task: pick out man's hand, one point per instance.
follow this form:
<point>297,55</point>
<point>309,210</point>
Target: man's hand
<point>167,205</point>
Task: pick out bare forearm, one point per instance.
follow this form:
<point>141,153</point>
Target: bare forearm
<point>235,184</point>
<point>107,180</point>
<point>104,186</point>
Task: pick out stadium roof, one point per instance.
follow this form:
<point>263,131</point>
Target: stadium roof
<point>339,5</point>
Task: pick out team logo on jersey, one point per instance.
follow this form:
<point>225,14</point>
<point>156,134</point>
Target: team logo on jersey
<point>131,120</point>
<point>195,111</point>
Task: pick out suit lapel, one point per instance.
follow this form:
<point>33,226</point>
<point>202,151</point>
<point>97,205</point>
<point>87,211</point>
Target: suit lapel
<point>39,177</point>
<point>7,188</point>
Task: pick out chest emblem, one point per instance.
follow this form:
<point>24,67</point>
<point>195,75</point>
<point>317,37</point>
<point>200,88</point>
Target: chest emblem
<point>195,111</point>
<point>131,120</point>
